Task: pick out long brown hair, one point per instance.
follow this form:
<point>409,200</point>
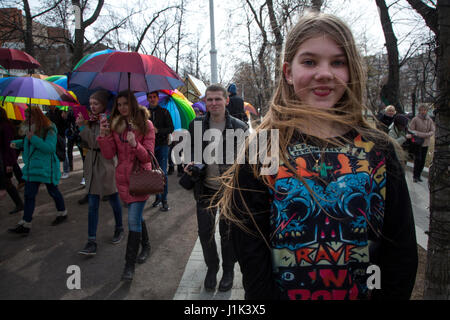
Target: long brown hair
<point>41,123</point>
<point>289,115</point>
<point>138,115</point>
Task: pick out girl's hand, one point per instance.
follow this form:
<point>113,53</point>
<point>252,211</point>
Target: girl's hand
<point>131,139</point>
<point>104,128</point>
<point>80,120</point>
<point>29,135</point>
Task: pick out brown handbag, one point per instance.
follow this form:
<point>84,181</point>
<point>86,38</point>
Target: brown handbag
<point>144,182</point>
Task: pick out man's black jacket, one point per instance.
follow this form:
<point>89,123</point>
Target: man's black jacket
<point>230,123</point>
<point>162,121</point>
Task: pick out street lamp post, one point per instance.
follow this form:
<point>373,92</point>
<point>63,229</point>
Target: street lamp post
<point>213,51</point>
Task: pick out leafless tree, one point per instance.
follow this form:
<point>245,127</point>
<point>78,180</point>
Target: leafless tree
<point>437,282</point>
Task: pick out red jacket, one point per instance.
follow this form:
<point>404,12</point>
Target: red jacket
<point>112,145</point>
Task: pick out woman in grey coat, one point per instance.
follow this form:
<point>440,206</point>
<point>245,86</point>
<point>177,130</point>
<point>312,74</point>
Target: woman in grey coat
<point>98,172</point>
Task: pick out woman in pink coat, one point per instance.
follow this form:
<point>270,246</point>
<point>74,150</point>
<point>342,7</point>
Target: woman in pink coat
<point>130,135</point>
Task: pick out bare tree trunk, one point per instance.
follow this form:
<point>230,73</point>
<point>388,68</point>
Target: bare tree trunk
<point>316,4</point>
<point>28,36</point>
<point>276,30</point>
<point>437,282</point>
<point>180,23</point>
<point>390,90</point>
<point>263,72</point>
<point>78,49</point>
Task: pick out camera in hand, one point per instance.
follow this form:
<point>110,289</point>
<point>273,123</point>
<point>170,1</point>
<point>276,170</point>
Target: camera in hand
<point>197,169</point>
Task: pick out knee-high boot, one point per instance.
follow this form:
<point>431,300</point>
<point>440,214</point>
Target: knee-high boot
<point>130,256</point>
<point>145,242</point>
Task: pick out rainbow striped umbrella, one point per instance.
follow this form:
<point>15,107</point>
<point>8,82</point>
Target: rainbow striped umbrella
<point>30,90</point>
<point>179,107</point>
<point>15,111</point>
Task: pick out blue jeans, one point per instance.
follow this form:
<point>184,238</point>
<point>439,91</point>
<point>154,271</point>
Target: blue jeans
<point>31,190</point>
<point>135,210</point>
<point>161,154</point>
<point>94,201</point>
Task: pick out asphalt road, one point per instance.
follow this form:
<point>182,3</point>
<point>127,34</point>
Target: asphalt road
<point>35,267</point>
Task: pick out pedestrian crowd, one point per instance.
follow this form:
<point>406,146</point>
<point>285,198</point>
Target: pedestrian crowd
<point>337,204</point>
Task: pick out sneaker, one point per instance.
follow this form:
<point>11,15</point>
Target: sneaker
<point>156,202</point>
<point>65,175</point>
<point>22,228</point>
<point>90,249</point>
<point>165,206</point>
<point>118,236</point>
<point>62,216</point>
<point>83,182</point>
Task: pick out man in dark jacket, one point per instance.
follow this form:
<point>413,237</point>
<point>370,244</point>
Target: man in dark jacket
<point>236,104</point>
<point>204,174</point>
<point>162,121</point>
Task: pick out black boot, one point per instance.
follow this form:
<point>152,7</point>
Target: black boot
<point>227,280</point>
<point>212,261</point>
<point>130,256</point>
<point>145,242</point>
<point>228,258</point>
<point>211,279</point>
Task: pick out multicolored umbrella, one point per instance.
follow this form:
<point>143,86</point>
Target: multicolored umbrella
<point>200,105</point>
<point>15,111</point>
<point>16,59</point>
<point>90,56</point>
<point>29,90</point>
<point>248,107</point>
<point>80,92</point>
<point>118,71</point>
<point>179,107</point>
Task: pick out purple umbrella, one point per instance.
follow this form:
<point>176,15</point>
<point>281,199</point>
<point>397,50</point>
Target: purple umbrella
<point>200,105</point>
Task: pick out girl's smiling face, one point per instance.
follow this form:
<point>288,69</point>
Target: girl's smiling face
<point>122,106</point>
<point>96,106</point>
<point>314,71</point>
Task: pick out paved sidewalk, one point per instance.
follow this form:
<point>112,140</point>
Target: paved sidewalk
<point>191,284</point>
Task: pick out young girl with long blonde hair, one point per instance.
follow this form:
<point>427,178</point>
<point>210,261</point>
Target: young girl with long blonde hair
<point>339,201</point>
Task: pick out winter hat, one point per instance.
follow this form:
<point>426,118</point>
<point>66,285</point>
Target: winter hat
<point>401,120</point>
<point>232,88</point>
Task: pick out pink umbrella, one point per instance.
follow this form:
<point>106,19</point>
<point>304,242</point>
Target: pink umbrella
<point>119,71</point>
<point>16,59</point>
